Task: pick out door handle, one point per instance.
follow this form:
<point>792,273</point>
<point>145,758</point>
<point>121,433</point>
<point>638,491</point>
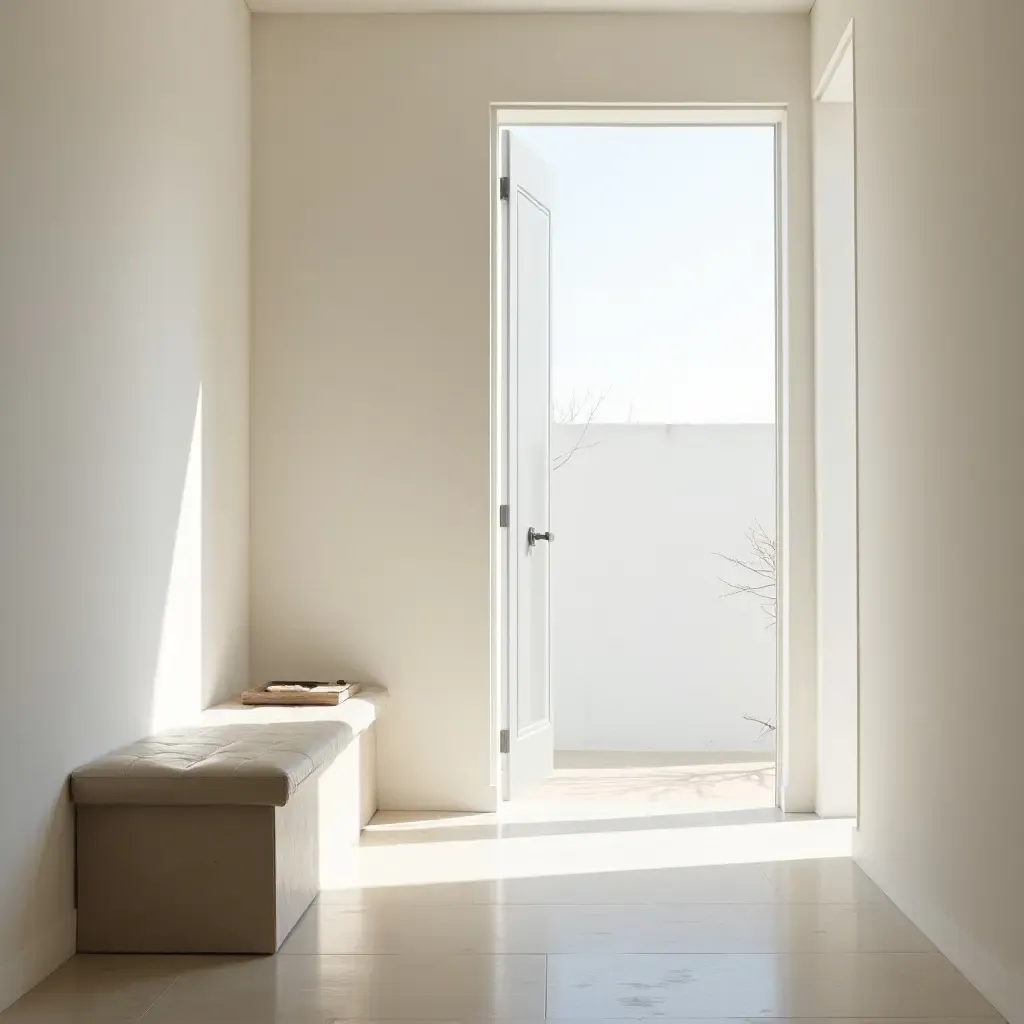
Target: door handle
<point>532,536</point>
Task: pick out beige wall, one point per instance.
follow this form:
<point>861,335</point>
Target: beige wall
<point>372,359</point>
<point>123,292</point>
<point>940,223</point>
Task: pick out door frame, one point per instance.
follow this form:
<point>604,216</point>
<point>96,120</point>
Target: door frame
<point>793,772</point>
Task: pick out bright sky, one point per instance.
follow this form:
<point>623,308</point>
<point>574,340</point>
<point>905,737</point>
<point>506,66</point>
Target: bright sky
<point>663,271</point>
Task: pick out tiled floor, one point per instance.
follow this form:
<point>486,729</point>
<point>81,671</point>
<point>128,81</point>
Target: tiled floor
<point>699,917</point>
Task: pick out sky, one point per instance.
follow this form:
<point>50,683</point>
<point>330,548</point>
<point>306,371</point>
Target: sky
<point>663,273</point>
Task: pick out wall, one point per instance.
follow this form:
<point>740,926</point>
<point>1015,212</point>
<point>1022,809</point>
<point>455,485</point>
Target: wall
<point>372,436</point>
<point>123,295</point>
<point>835,408</point>
<point>647,653</point>
<point>940,218</point>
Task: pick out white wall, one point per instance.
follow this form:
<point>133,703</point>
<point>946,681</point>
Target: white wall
<point>835,407</point>
<point>940,219</point>
<point>647,654</point>
<point>123,292</point>
<point>372,525</point>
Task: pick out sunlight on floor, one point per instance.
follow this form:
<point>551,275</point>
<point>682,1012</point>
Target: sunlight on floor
<point>599,784</point>
<point>600,814</point>
<point>494,851</point>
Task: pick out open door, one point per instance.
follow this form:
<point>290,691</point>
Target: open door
<point>528,743</point>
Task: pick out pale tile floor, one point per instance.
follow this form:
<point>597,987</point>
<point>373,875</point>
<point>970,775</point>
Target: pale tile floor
<point>677,907</point>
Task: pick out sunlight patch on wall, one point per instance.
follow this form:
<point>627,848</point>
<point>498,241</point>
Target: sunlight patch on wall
<point>177,686</point>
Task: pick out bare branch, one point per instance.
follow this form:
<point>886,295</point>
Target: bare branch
<point>767,725</point>
<point>744,588</point>
<point>560,460</point>
<point>573,409</point>
<point>761,563</point>
<point>758,570</point>
<point>567,412</point>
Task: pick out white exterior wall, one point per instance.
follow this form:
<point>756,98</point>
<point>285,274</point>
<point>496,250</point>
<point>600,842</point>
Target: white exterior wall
<point>647,653</point>
<point>940,305</point>
<point>374,528</point>
<point>124,301</point>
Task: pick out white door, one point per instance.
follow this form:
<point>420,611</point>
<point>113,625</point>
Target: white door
<point>530,744</point>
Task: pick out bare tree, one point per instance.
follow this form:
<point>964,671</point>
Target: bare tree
<point>578,411</point>
<point>761,563</point>
<point>761,566</point>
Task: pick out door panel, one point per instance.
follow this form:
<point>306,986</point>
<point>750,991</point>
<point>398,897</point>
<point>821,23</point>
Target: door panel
<point>530,756</point>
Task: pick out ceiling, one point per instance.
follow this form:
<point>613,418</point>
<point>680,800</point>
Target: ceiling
<point>551,6</point>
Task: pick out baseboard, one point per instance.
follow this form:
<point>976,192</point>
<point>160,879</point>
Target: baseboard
<point>40,957</point>
<point>999,984</point>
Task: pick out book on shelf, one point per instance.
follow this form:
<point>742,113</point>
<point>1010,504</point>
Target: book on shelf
<point>285,693</point>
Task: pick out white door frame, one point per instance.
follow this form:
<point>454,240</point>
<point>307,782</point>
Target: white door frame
<point>836,431</point>
<point>508,116</point>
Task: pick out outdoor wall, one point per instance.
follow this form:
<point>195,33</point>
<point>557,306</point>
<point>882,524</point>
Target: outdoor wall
<point>940,219</point>
<point>647,654</point>
<point>123,305</point>
<point>374,525</point>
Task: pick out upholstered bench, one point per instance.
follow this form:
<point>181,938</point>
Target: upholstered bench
<point>202,840</point>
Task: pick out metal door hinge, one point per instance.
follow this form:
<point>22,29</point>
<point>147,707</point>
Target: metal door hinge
<point>504,741</point>
<point>503,516</point>
<point>504,188</point>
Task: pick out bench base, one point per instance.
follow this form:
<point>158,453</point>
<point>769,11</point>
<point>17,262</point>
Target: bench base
<point>217,879</point>
<point>195,879</point>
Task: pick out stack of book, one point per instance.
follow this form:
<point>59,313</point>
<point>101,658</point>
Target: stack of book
<point>301,694</point>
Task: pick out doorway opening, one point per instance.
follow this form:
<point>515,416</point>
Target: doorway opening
<point>639,284</point>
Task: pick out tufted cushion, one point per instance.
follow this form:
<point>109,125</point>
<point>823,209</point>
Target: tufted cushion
<point>222,764</point>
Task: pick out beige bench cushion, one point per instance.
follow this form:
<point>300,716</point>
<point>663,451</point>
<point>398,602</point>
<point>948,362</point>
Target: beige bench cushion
<point>223,764</point>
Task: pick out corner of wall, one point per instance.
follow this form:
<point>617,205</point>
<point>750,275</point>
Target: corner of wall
<point>37,959</point>
<point>996,981</point>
